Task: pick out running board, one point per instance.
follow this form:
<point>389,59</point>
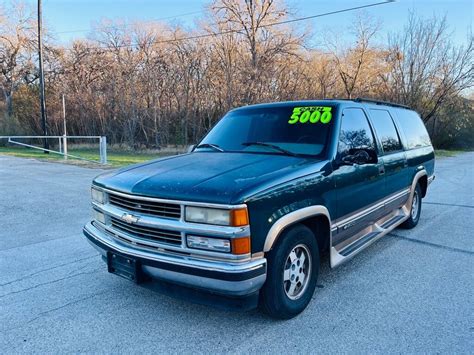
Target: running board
<point>358,244</point>
<point>344,251</point>
<point>393,221</point>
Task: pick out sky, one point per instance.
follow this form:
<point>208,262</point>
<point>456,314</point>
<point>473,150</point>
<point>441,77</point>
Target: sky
<point>70,19</point>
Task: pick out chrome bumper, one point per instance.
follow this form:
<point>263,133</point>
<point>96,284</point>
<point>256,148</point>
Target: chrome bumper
<point>227,278</point>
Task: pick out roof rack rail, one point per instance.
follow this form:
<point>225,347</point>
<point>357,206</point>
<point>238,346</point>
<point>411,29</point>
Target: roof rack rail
<point>380,102</point>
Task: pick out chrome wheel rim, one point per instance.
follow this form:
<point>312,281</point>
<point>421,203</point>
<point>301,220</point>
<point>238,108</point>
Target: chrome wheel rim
<point>414,205</point>
<point>297,272</point>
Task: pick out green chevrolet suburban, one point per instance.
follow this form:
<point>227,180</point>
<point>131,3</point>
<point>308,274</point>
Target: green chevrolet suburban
<point>250,209</point>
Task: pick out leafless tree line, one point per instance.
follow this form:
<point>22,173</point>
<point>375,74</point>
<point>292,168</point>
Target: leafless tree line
<point>149,85</point>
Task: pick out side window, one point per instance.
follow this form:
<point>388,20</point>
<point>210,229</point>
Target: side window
<point>385,128</point>
<point>413,129</point>
<point>355,133</point>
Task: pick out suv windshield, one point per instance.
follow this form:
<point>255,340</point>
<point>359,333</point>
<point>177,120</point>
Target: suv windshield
<point>288,130</point>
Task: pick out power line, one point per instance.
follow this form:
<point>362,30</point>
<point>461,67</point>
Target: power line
<point>204,35</point>
<point>328,13</point>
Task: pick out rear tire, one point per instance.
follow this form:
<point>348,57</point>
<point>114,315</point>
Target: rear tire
<point>415,210</point>
<point>292,273</point>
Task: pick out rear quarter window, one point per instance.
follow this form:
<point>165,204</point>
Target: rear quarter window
<point>413,129</point>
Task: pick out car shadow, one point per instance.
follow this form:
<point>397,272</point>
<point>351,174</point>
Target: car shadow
<point>200,306</point>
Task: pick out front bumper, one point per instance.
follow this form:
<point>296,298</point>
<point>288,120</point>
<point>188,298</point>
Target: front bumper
<point>230,278</point>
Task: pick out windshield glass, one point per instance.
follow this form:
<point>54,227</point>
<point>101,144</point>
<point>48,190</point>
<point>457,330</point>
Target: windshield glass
<point>290,130</point>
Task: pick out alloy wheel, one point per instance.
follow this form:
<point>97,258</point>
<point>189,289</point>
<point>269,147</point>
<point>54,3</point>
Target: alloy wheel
<point>297,272</point>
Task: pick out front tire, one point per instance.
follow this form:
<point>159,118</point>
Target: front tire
<point>293,268</point>
<point>415,210</point>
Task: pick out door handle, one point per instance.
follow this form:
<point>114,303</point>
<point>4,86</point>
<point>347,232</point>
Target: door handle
<point>381,170</point>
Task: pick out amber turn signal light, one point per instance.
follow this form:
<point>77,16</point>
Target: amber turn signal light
<point>241,245</point>
<point>239,217</point>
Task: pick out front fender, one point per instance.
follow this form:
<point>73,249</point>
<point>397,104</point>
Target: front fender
<point>292,218</point>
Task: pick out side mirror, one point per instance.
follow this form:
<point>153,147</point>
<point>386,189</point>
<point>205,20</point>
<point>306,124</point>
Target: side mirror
<point>347,160</point>
<point>190,148</point>
<point>360,157</point>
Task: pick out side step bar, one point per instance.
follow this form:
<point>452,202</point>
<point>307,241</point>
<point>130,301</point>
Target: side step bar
<point>358,244</point>
<point>394,220</point>
<point>342,252</point>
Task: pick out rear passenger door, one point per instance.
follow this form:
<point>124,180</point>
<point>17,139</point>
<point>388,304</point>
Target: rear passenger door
<point>393,157</point>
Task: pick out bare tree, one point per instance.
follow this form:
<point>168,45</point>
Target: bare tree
<point>426,69</point>
<point>152,84</point>
<point>352,61</point>
<point>321,75</point>
<point>265,43</point>
<point>17,41</point>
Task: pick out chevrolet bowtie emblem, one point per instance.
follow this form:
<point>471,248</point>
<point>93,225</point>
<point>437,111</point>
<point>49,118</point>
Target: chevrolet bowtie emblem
<point>129,218</point>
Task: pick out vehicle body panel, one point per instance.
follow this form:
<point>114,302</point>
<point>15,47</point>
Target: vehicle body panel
<point>268,206</point>
<point>205,176</point>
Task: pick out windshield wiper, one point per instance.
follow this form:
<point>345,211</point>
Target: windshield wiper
<point>274,146</point>
<point>210,145</point>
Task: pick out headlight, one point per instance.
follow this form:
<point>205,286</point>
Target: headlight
<point>237,246</point>
<point>208,215</point>
<point>98,196</point>
<point>213,244</point>
<point>99,216</point>
<point>221,217</point>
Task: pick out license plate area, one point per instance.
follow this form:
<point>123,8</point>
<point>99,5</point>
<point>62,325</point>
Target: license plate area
<point>126,267</point>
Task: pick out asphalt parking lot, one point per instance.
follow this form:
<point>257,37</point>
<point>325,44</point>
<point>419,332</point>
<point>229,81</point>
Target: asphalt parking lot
<point>412,291</point>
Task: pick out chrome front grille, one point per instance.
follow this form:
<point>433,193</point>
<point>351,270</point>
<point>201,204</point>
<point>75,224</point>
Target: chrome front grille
<point>146,233</point>
<point>158,225</point>
<point>152,208</point>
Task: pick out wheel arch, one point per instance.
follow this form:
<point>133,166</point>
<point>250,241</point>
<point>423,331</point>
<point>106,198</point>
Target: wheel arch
<point>423,181</point>
<point>421,177</point>
<point>316,218</point>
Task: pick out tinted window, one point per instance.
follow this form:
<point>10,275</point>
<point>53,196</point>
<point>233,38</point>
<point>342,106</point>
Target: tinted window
<point>297,129</point>
<point>355,132</point>
<point>413,129</point>
<point>386,130</point>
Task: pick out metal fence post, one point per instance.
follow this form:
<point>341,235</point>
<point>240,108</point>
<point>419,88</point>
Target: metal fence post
<point>65,146</point>
<point>103,149</point>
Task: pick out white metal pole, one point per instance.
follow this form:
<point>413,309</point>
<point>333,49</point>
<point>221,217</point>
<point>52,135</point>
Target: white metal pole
<point>103,149</point>
<point>65,131</point>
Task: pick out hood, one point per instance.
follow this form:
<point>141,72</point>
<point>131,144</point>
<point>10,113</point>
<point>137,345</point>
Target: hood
<point>212,177</point>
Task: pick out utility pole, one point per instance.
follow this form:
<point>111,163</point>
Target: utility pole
<point>41,77</point>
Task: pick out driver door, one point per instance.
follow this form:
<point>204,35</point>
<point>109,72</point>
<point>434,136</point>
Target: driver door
<point>359,187</point>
